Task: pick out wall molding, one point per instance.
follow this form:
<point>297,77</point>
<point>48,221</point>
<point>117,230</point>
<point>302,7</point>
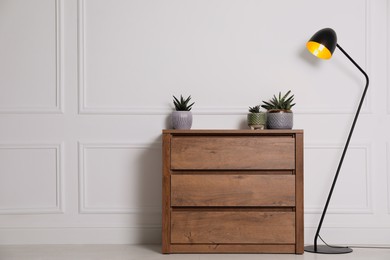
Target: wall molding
<point>58,208</point>
<point>233,110</point>
<point>388,56</point>
<point>200,110</point>
<point>83,207</point>
<point>58,108</point>
<point>368,209</point>
<point>81,56</point>
<point>388,175</point>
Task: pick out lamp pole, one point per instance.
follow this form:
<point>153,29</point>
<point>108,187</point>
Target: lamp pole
<point>326,249</point>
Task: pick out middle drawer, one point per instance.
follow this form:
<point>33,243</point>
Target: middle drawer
<point>232,190</point>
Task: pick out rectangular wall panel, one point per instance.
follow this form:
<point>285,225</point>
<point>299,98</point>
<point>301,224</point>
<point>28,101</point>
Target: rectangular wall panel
<point>352,193</point>
<point>195,47</point>
<point>30,179</point>
<point>119,178</point>
<point>30,51</point>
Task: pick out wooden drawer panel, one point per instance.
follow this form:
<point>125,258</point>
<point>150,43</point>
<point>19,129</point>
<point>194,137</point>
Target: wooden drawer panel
<point>207,227</point>
<point>213,152</point>
<point>233,190</point>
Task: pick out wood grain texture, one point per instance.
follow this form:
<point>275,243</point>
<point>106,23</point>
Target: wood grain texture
<point>194,227</point>
<point>234,172</point>
<point>233,190</point>
<point>299,194</point>
<point>230,248</point>
<point>205,152</point>
<point>166,194</point>
<point>233,132</point>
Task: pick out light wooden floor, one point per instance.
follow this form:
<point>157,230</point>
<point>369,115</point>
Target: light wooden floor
<point>152,252</point>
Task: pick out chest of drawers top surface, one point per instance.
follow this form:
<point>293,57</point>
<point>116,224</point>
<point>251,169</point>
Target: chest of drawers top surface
<point>232,132</point>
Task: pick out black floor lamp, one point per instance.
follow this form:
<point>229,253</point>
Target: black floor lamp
<point>322,45</point>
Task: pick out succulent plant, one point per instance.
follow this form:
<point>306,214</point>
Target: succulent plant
<point>255,109</point>
<point>182,104</point>
<point>283,103</point>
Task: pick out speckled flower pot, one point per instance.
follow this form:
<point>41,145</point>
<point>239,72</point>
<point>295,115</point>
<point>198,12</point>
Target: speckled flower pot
<point>181,119</point>
<point>280,119</point>
<point>257,120</point>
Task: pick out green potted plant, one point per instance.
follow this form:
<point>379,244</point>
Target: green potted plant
<point>279,113</point>
<point>256,119</point>
<point>182,116</point>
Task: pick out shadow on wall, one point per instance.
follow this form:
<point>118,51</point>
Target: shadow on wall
<point>168,121</point>
<point>243,124</point>
<point>149,194</point>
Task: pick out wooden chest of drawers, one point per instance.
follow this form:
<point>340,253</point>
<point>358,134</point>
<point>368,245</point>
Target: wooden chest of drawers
<point>232,191</point>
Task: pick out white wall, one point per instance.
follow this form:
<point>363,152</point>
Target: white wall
<point>86,88</point>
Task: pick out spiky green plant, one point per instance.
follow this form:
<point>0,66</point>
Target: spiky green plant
<point>182,104</point>
<point>255,109</point>
<point>283,103</point>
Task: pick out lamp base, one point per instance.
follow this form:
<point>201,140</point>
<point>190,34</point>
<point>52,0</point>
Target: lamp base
<point>324,249</point>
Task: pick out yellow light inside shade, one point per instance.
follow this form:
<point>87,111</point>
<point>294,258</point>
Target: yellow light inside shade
<point>318,50</point>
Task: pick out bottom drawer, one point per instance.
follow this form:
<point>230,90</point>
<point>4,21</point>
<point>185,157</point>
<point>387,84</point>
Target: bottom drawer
<point>231,227</point>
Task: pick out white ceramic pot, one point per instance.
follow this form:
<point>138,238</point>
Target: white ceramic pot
<point>181,119</point>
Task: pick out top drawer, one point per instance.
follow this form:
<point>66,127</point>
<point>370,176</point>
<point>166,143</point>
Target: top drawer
<point>229,152</point>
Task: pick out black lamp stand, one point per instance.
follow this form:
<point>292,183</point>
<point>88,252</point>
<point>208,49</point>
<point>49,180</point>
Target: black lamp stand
<point>325,249</point>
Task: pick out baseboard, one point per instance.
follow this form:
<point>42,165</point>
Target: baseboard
<point>29,236</point>
<point>348,236</point>
<point>377,237</point>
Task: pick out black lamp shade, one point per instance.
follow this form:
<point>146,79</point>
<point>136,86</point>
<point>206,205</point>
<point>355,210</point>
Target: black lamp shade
<point>323,43</point>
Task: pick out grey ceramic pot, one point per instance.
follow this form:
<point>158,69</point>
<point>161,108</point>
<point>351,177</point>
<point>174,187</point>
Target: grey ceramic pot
<point>280,119</point>
<point>181,119</point>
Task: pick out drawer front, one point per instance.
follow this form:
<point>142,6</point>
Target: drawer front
<point>244,152</point>
<point>233,190</point>
<point>207,227</point>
